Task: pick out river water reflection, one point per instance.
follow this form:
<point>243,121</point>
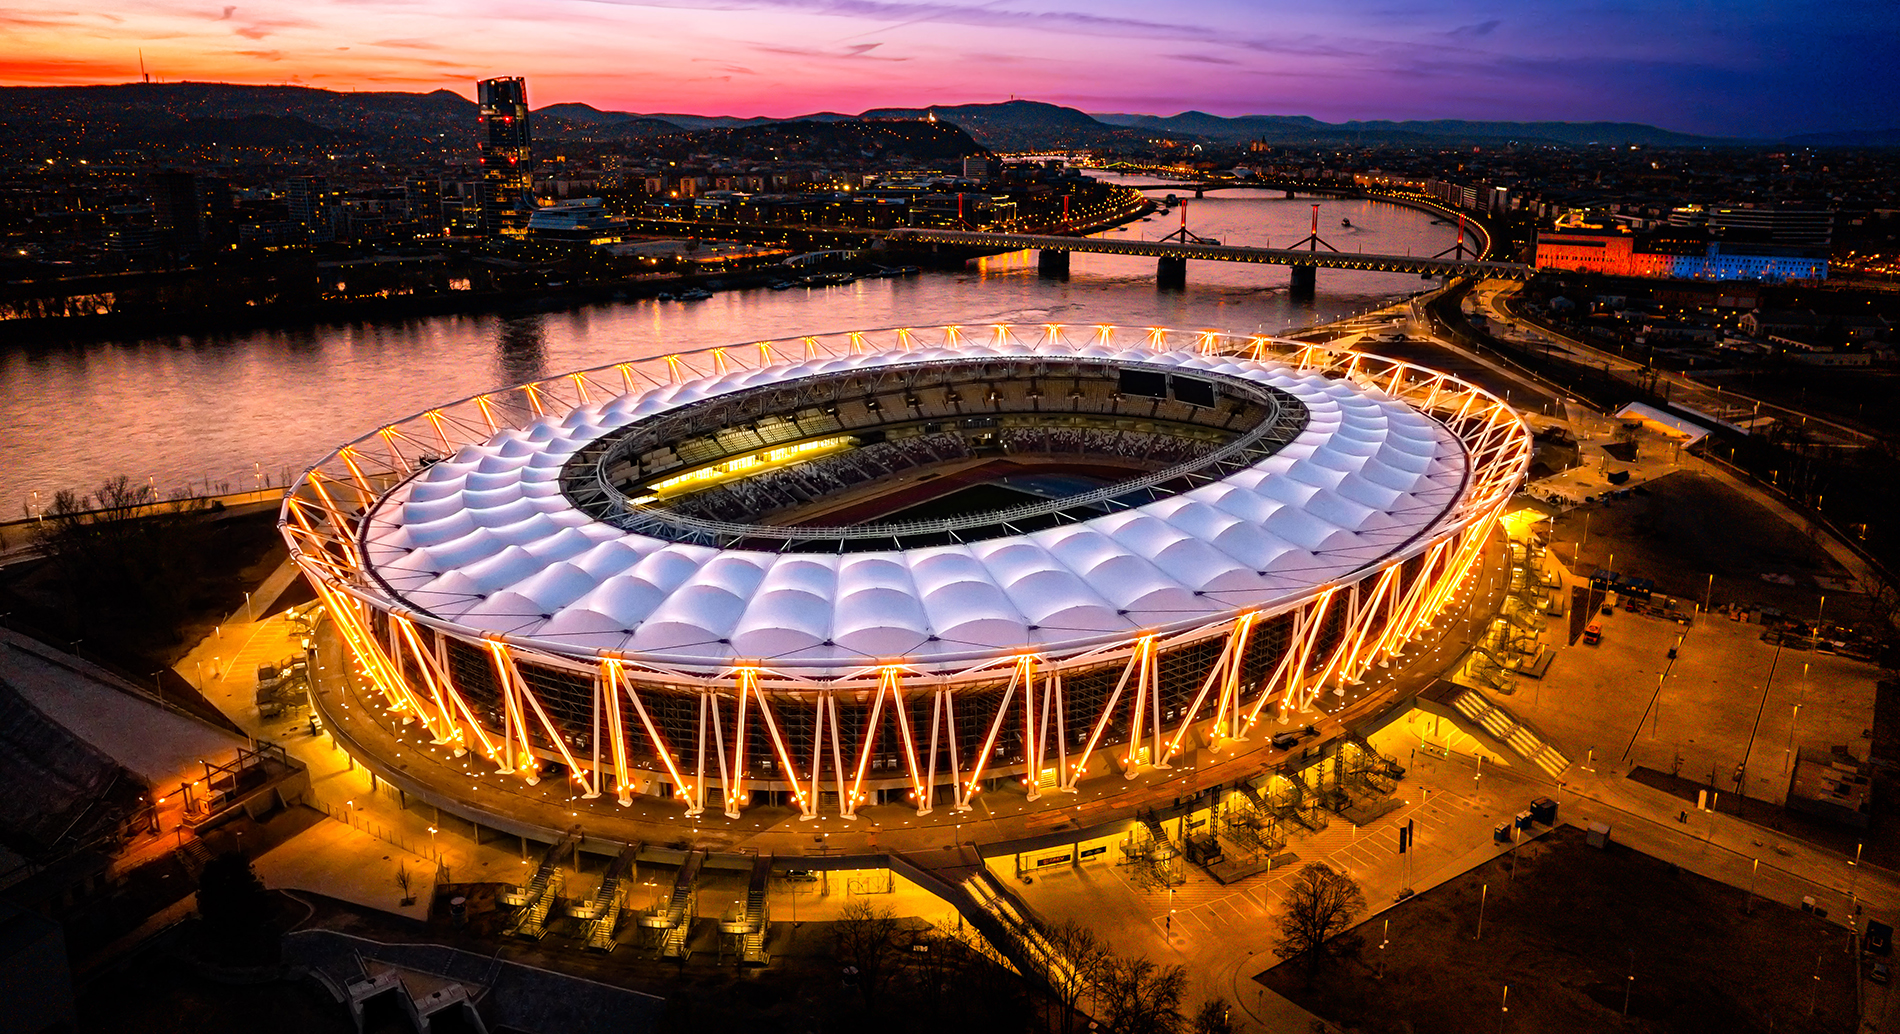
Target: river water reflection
<point>233,410</point>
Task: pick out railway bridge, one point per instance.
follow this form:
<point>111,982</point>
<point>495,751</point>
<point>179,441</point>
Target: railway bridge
<point>1172,255</point>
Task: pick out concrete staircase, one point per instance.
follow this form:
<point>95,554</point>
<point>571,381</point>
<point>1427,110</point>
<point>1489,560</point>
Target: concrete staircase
<point>1504,727</point>
<point>986,904</point>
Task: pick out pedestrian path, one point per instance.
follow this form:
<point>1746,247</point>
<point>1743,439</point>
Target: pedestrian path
<point>1203,909</point>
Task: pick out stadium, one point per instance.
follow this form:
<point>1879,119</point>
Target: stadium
<point>899,567</point>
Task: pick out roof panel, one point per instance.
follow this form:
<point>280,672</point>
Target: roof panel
<point>1365,474</point>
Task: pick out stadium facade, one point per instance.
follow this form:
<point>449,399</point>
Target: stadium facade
<point>900,567</point>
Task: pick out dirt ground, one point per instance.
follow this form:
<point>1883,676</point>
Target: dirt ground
<point>1690,526</point>
<point>1567,934</point>
<point>1858,396</point>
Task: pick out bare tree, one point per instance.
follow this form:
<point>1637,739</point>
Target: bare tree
<point>1136,996</point>
<point>406,882</point>
<point>123,555</point>
<point>1320,903</point>
<point>1215,1017</point>
<point>1075,966</point>
<point>930,966</point>
<point>865,937</point>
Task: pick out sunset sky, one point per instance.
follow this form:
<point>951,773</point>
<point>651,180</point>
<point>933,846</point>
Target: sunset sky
<point>1736,67</point>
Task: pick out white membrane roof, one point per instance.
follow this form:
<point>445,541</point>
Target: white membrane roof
<point>486,540</point>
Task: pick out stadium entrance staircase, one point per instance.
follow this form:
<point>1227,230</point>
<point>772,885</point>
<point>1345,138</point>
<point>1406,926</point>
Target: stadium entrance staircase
<point>1487,721</point>
<point>672,920</point>
<point>1154,858</point>
<point>536,901</point>
<point>601,918</point>
<point>747,924</point>
<point>1004,920</point>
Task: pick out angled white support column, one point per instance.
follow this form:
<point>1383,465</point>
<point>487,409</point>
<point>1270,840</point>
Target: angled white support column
<point>817,754</point>
<point>735,793</point>
<point>698,794</point>
<point>616,728</point>
<point>1071,774</point>
<point>968,790</point>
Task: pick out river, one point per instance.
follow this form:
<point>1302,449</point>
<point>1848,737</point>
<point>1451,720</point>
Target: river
<point>234,411</point>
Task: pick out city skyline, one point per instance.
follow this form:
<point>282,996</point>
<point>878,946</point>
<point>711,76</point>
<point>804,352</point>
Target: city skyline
<point>1761,70</point>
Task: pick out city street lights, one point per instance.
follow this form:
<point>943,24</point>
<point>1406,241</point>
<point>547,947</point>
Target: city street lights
<point>1853,873</point>
<point>1787,756</point>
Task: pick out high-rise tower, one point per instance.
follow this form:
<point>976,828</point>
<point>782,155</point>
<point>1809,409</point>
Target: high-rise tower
<point>507,158</point>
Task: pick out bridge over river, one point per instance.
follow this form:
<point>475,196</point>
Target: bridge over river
<point>1172,255</point>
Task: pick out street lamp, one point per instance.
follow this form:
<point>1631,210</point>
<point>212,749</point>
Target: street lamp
<point>1853,874</point>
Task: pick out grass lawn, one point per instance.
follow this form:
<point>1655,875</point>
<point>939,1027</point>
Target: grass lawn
<point>1566,934</point>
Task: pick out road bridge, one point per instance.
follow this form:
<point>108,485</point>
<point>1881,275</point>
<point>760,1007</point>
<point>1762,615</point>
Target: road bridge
<point>1200,185</point>
<point>1290,187</point>
<point>1172,255</point>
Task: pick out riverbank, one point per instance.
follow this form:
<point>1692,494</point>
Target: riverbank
<point>871,260</point>
<point>398,309</point>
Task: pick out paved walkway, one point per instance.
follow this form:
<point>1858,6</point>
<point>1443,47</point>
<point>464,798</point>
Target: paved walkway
<point>354,857</point>
<point>1225,935</point>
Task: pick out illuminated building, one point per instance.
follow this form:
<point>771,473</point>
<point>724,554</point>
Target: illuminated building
<point>752,575</point>
<point>507,158</point>
<point>1674,252</point>
<point>308,201</point>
